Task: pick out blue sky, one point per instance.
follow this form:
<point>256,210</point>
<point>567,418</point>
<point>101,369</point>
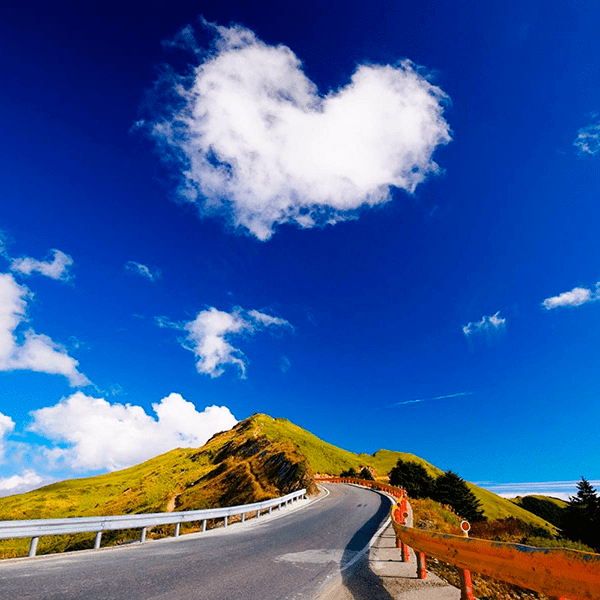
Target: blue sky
<point>380,223</point>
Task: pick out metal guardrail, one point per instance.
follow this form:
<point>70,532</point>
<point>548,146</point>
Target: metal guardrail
<point>37,528</point>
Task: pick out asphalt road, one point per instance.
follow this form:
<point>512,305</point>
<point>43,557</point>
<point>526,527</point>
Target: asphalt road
<point>281,557</point>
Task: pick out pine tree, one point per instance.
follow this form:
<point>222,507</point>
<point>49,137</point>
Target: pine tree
<point>581,522</point>
<point>451,489</point>
<point>413,477</point>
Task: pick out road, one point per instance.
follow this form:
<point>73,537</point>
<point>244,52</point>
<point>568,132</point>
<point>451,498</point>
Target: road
<point>281,557</point>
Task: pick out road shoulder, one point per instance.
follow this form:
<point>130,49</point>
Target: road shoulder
<point>381,575</point>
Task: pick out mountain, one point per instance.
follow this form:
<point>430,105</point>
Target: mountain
<point>260,458</point>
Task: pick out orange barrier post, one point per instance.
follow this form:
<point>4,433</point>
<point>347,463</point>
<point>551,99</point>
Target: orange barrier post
<point>466,586</point>
<point>421,566</point>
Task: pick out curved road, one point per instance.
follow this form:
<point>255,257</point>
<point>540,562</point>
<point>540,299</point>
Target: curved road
<point>279,557</point>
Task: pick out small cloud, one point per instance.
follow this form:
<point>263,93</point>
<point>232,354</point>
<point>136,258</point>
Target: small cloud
<point>251,137</point>
<point>266,320</point>
<point>7,425</point>
<point>416,400</point>
<point>209,335</point>
<point>153,274</point>
<point>116,390</point>
<point>36,352</point>
<point>588,140</point>
<point>93,434</point>
<point>166,323</point>
<point>488,325</point>
<point>285,364</point>
<point>18,484</point>
<point>55,268</point>
<point>576,297</point>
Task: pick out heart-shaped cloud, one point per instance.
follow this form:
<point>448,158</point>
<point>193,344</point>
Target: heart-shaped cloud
<point>252,136</point>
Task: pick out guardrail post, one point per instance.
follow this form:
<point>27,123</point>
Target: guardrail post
<point>421,566</point>
<point>270,509</point>
<point>177,529</point>
<point>204,525</point>
<point>243,517</point>
<point>143,535</point>
<point>97,540</point>
<point>466,586</point>
<point>33,546</point>
<point>225,521</point>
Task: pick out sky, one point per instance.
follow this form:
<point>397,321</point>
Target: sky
<point>378,221</point>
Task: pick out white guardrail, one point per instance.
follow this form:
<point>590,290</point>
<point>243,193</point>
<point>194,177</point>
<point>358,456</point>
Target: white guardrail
<point>37,528</point>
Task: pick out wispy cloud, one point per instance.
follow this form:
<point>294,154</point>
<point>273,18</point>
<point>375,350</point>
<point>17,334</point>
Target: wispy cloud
<point>557,489</point>
<point>209,337</point>
<point>433,398</point>
<point>487,325</point>
<point>576,297</point>
<point>35,352</point>
<point>253,138</point>
<point>588,140</point>
<point>153,274</point>
<point>56,267</point>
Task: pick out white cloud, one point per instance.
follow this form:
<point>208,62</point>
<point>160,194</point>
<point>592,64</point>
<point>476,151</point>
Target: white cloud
<point>36,352</point>
<point>253,137</point>
<point>6,426</point>
<point>18,484</point>
<point>588,140</point>
<point>487,325</point>
<point>143,270</point>
<point>100,435</point>
<point>209,334</point>
<point>55,268</point>
<point>576,297</point>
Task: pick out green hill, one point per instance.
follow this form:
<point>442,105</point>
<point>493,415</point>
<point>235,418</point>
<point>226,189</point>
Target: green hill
<point>546,507</point>
<point>260,458</point>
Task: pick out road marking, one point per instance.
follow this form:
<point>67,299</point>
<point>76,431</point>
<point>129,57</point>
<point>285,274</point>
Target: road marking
<point>322,556</point>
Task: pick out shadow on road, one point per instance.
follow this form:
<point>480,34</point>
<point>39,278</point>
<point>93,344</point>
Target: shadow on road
<point>359,579</point>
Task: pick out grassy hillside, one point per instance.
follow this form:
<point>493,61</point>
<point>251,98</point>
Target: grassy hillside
<point>550,509</point>
<point>259,458</point>
<point>324,458</point>
<point>496,507</point>
<point>234,467</point>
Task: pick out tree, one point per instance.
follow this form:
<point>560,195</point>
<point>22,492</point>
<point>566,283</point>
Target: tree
<point>451,489</point>
<point>581,521</point>
<point>350,473</point>
<point>413,477</point>
<point>365,473</point>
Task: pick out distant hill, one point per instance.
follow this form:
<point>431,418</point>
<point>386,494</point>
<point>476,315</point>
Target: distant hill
<point>546,507</point>
<point>260,458</point>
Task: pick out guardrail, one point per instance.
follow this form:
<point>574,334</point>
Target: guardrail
<point>37,528</point>
<point>556,572</point>
<point>390,489</point>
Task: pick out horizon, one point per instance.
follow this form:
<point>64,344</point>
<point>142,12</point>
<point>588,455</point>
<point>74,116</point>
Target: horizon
<point>380,223</point>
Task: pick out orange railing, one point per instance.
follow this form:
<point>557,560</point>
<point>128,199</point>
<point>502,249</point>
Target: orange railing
<point>556,572</point>
<point>390,489</point>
